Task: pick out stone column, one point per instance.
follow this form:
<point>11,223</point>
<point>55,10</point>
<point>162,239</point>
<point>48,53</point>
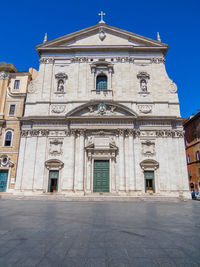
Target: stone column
<point>110,79</point>
<point>121,161</point>
<point>80,173</point>
<point>131,161</point>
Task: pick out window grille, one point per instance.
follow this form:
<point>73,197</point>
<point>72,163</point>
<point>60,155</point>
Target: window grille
<point>101,82</point>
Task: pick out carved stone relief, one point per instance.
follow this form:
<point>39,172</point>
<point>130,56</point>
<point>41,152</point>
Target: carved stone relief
<point>31,88</point>
<point>148,148</point>
<point>4,75</point>
<point>58,108</point>
<point>145,108</point>
<point>61,75</point>
<point>55,147</point>
<point>157,60</point>
<point>46,60</point>
<point>102,109</point>
<point>102,34</point>
<point>42,132</point>
<point>173,87</point>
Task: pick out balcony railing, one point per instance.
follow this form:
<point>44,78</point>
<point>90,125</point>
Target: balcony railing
<point>101,94</point>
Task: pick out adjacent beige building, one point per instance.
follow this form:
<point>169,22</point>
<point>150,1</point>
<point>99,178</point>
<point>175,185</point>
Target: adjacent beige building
<point>102,116</point>
<point>13,89</point>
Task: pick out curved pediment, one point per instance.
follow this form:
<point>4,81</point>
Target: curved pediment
<point>102,109</point>
<point>149,164</point>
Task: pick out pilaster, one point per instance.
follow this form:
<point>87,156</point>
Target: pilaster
<point>121,161</point>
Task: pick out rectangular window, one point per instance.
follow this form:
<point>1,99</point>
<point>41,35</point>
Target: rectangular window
<point>188,158</point>
<point>16,84</point>
<point>197,155</point>
<point>12,110</point>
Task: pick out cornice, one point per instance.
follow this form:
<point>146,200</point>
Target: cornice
<point>15,95</point>
<point>83,118</point>
<point>7,67</point>
<point>102,48</point>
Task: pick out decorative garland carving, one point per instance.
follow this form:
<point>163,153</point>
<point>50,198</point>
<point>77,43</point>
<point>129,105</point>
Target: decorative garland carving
<point>58,108</point>
<point>46,60</point>
<point>25,133</point>
<point>173,87</point>
<point>145,108</point>
<point>157,60</point>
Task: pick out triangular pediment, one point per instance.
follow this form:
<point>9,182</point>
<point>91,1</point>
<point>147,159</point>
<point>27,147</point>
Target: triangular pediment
<point>102,110</point>
<point>100,35</point>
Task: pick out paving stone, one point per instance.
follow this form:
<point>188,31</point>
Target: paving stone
<point>98,233</point>
<point>96,262</point>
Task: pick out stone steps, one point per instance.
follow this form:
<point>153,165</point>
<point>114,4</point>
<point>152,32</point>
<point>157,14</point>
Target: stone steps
<point>92,198</point>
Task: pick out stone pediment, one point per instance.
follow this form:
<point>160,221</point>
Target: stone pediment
<point>101,35</point>
<point>101,109</point>
<point>101,147</point>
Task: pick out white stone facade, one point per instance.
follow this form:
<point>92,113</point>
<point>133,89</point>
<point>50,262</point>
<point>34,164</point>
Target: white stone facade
<point>134,124</point>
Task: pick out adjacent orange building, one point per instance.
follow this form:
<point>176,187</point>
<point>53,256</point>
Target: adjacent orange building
<point>13,90</point>
<point>192,145</point>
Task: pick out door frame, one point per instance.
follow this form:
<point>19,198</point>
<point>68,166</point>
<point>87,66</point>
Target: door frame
<point>92,180</point>
<point>57,181</point>
<point>153,182</point>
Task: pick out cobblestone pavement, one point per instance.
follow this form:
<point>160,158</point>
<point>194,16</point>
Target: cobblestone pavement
<point>61,233</point>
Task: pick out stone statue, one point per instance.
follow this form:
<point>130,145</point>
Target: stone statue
<point>143,85</point>
<point>60,87</point>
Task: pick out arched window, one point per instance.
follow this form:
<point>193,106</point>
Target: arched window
<point>8,138</point>
<point>101,83</point>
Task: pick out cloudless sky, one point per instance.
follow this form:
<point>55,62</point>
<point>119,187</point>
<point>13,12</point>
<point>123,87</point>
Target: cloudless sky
<point>24,23</point>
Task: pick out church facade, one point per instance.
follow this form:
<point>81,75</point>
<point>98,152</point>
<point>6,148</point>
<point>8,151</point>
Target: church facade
<point>102,117</point>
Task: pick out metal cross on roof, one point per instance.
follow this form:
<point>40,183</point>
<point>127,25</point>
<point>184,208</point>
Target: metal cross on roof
<point>102,14</point>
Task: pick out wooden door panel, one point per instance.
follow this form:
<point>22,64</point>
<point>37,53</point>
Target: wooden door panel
<point>3,180</point>
<point>101,176</point>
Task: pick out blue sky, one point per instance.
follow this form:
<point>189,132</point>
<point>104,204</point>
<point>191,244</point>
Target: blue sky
<point>24,23</point>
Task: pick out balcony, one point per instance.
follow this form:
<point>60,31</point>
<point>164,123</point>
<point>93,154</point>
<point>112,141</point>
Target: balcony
<point>102,94</point>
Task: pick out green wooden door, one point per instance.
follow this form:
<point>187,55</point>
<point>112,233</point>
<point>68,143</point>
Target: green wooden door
<point>3,180</point>
<point>101,176</point>
<point>149,181</point>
